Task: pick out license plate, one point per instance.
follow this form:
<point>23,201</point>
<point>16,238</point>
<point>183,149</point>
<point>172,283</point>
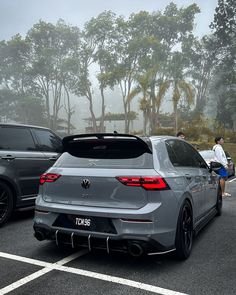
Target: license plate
<point>87,223</point>
<point>82,221</point>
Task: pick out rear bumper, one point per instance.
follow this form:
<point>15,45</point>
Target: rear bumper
<point>132,244</point>
<point>152,226</point>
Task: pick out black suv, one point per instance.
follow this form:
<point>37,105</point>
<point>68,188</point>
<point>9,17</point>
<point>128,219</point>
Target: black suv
<point>25,153</point>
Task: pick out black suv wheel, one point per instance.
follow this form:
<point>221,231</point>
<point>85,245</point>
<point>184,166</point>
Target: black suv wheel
<point>6,202</point>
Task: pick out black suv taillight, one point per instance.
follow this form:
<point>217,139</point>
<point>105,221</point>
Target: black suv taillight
<point>146,182</point>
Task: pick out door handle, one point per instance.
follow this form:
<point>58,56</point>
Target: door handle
<point>8,158</point>
<point>53,159</point>
<point>188,176</point>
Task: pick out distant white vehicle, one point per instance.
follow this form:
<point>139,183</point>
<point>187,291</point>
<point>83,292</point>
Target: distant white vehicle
<point>208,156</point>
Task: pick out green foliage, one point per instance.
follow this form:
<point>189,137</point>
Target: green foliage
<point>30,110</point>
<point>224,86</point>
<point>20,108</point>
<point>7,102</point>
<point>164,131</point>
<point>120,117</point>
<point>225,22</point>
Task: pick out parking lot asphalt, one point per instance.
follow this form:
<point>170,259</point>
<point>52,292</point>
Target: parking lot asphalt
<point>28,266</point>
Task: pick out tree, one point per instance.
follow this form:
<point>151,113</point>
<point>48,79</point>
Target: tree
<point>17,95</point>
<point>149,106</point>
<point>126,51</point>
<point>145,107</point>
<point>14,61</point>
<point>7,102</point>
<point>80,83</point>
<point>160,32</point>
<point>100,31</point>
<point>179,85</point>
<point>223,90</point>
<point>51,48</point>
<point>202,58</point>
<point>30,110</point>
<point>224,26</point>
<point>224,23</point>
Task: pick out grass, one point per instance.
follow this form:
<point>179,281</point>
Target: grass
<point>231,148</point>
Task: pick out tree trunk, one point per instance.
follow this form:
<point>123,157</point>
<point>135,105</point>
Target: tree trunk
<point>102,129</point>
<point>90,98</point>
<point>145,122</point>
<point>69,111</point>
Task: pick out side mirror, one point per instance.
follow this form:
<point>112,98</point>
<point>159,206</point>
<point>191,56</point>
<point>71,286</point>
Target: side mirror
<point>215,166</point>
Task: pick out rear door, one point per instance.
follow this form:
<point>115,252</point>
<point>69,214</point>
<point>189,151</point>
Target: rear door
<point>210,182</point>
<point>182,156</point>
<point>20,162</point>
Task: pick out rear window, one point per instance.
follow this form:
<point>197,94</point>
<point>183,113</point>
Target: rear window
<point>143,161</point>
<point>105,151</point>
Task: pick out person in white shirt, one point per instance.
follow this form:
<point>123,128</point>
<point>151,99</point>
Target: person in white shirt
<point>220,157</point>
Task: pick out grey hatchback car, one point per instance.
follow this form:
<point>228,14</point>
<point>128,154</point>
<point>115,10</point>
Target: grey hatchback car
<point>25,153</point>
<point>141,195</point>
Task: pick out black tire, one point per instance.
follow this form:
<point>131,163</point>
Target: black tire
<point>233,174</point>
<point>184,232</point>
<point>219,203</point>
<point>6,202</point>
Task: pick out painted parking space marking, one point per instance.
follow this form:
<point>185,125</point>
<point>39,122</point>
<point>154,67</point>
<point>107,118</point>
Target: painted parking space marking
<point>24,281</point>
<point>60,267</point>
<point>231,180</point>
<point>47,268</point>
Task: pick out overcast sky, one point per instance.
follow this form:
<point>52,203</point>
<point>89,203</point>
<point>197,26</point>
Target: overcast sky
<point>18,16</point>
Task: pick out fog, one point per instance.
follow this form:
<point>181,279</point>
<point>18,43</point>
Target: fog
<point>189,58</point>
<point>20,15</point>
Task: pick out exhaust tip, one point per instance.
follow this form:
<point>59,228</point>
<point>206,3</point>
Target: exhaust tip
<point>135,249</point>
<point>39,235</point>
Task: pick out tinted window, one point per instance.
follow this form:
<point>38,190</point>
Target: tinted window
<point>16,139</point>
<point>105,147</point>
<point>143,161</point>
<point>183,154</point>
<point>47,141</point>
<point>173,157</point>
<point>198,160</point>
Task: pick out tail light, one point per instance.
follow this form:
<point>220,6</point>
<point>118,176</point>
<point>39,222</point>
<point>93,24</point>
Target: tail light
<point>48,177</point>
<point>146,182</point>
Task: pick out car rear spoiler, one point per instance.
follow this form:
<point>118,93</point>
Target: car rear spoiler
<point>105,145</point>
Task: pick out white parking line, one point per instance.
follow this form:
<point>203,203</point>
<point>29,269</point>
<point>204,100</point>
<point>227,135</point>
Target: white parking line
<point>25,280</point>
<point>59,266</point>
<point>47,268</point>
<point>232,180</point>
